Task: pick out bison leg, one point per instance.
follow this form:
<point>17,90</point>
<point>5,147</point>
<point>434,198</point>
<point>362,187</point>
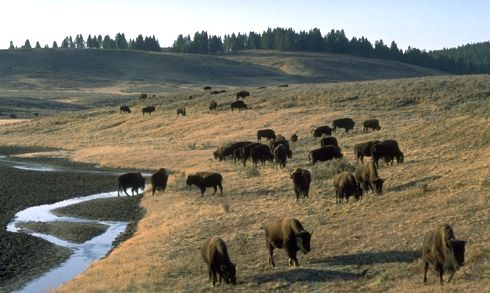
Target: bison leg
<point>213,272</point>
<point>271,254</point>
<point>215,189</point>
<point>440,269</point>
<point>292,259</point>
<point>220,189</point>
<point>426,267</point>
<point>203,189</point>
<point>153,190</point>
<point>451,276</point>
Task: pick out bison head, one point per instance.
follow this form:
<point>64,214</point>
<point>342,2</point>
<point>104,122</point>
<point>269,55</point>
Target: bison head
<point>458,247</point>
<point>358,191</point>
<point>191,179</point>
<point>400,158</point>
<point>378,186</point>
<point>228,272</point>
<point>303,241</point>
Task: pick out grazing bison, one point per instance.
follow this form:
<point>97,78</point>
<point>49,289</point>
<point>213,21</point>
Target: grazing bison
<point>370,123</point>
<point>267,133</point>
<point>159,181</point>
<point>207,88</point>
<point>329,140</point>
<point>124,109</point>
<point>345,123</point>
<point>148,109</point>
<point>443,251</point>
<point>134,180</point>
<point>190,97</point>
<point>245,151</point>
<point>283,85</point>
<point>280,156</point>
<point>388,150</point>
<point>215,92</point>
<point>280,136</point>
<point>242,94</point>
<point>261,153</point>
<point>294,137</point>
<point>229,150</point>
<point>367,175</point>
<point>206,179</point>
<point>325,154</point>
<point>213,105</point>
<point>288,234</point>
<point>215,255</point>
<point>240,104</point>
<point>181,111</point>
<point>301,180</point>
<point>345,185</point>
<point>363,149</point>
<point>284,142</point>
<point>322,130</point>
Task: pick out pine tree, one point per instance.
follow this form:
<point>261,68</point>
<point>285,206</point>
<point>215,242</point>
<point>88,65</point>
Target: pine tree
<point>38,46</point>
<point>71,44</point>
<point>55,45</point>
<point>27,45</point>
<point>11,47</point>
<point>65,43</point>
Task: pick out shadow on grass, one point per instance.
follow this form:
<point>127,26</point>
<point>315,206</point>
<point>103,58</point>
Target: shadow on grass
<point>368,258</point>
<point>306,275</point>
<point>414,183</point>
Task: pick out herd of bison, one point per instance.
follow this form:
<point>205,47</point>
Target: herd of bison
<point>440,247</point>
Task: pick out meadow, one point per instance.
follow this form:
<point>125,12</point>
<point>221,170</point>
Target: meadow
<point>441,124</point>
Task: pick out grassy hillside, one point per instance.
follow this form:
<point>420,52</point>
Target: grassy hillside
<point>441,124</point>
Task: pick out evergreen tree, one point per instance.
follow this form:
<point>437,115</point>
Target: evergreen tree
<point>90,43</point>
<point>11,47</point>
<point>65,43</point>
<point>38,46</point>
<point>27,45</point>
<point>99,41</point>
<point>71,44</point>
<point>139,43</point>
<point>108,43</point>
<point>55,45</point>
<point>121,42</point>
<point>79,42</point>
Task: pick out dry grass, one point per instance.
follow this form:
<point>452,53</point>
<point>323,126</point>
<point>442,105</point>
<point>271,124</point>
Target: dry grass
<point>369,245</point>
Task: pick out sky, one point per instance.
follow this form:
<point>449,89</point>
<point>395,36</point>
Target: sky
<point>430,24</point>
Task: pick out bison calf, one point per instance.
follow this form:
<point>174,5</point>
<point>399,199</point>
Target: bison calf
<point>443,251</point>
<point>301,180</point>
<point>159,181</point>
<point>204,180</point>
<point>215,255</point>
<point>288,234</point>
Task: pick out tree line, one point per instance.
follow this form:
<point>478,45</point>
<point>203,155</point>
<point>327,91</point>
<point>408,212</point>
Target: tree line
<point>119,42</point>
<point>450,60</point>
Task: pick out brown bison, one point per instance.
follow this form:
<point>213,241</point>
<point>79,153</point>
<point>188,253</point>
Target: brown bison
<point>443,251</point>
<point>280,156</point>
<point>134,180</point>
<point>206,179</point>
<point>215,92</point>
<point>388,150</point>
<point>213,105</point>
<point>261,153</point>
<point>367,175</point>
<point>242,94</point>
<point>240,104</point>
<point>245,151</point>
<point>124,109</point>
<point>280,137</point>
<point>181,111</point>
<point>345,185</point>
<point>345,123</point>
<point>301,180</point>
<point>267,133</point>
<point>329,140</point>
<point>159,180</point>
<point>207,88</point>
<point>363,149</point>
<point>229,150</point>
<point>370,123</point>
<point>288,234</point>
<point>322,130</point>
<point>148,109</point>
<point>294,137</point>
<point>284,142</point>
<point>323,154</point>
<point>215,255</point>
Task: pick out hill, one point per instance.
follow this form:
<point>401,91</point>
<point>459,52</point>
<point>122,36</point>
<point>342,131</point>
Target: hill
<point>440,122</point>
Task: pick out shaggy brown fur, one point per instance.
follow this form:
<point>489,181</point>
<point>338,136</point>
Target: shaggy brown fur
<point>206,179</point>
<point>388,150</point>
<point>370,123</point>
<point>325,154</point>
<point>124,109</point>
<point>301,180</point>
<point>345,123</point>
<point>367,175</point>
<point>159,180</point>
<point>322,130</point>
<point>345,185</point>
<point>267,133</point>
<point>215,255</point>
<point>148,109</point>
<point>329,140</point>
<point>238,105</point>
<point>363,149</point>
<point>134,180</point>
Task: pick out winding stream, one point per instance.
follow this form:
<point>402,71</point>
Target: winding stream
<point>83,254</point>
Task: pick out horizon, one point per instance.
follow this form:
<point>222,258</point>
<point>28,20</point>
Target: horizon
<point>417,24</point>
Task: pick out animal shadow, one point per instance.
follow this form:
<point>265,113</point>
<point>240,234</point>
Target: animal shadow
<point>306,275</point>
<point>414,183</point>
<point>369,258</point>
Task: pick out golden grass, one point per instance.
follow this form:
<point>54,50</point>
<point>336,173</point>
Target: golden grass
<point>12,121</point>
<point>370,245</point>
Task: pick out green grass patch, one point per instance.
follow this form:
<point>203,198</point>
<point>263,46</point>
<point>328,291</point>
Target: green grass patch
<point>70,231</point>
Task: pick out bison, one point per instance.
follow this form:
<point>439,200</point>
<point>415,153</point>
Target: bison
<point>207,88</point>
<point>325,154</point>
<point>329,140</point>
<point>322,130</point>
<point>261,153</point>
<point>363,149</point>
<point>206,179</point>
<point>370,123</point>
<point>124,109</point>
<point>215,92</point>
<point>222,152</point>
<point>181,111</point>
<point>159,180</point>
<point>245,151</point>
<point>301,180</point>
<point>280,136</point>
<point>442,250</point>
<point>345,123</point>
<point>213,105</point>
<point>280,156</point>
<point>215,255</point>
<point>242,94</point>
<point>345,185</point>
<point>240,104</point>
<point>267,133</point>
<point>288,234</point>
<point>148,109</point>
<point>284,142</point>
<point>294,137</point>
<point>134,180</point>
<point>367,175</point>
<point>388,150</point>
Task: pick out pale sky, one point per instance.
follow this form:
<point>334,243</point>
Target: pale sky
<point>421,24</point>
